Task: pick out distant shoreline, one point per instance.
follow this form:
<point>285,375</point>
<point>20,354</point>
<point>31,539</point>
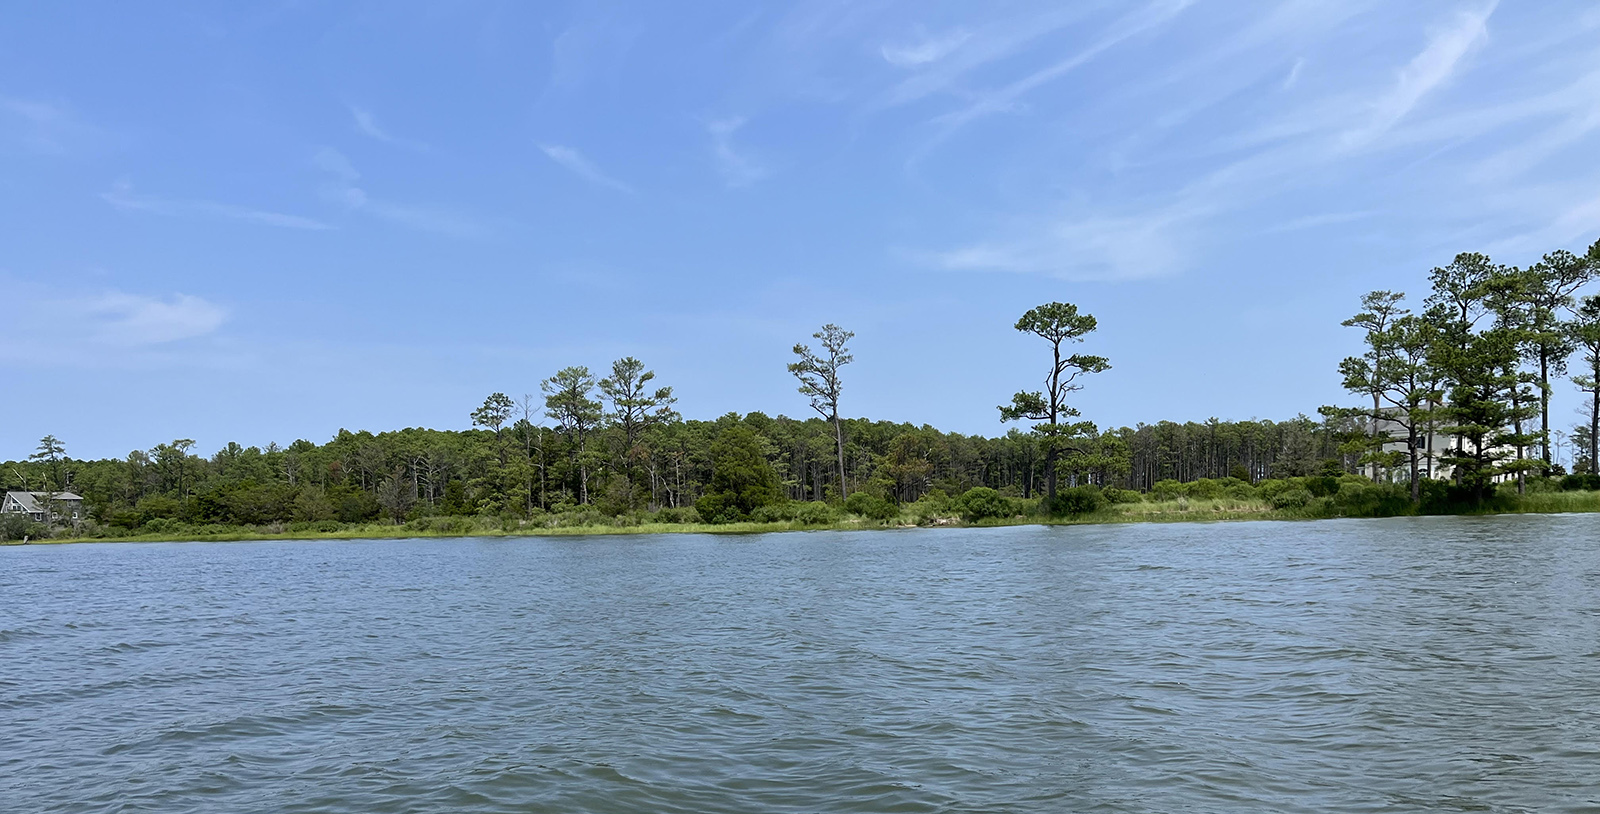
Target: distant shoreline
<point>1221,511</point>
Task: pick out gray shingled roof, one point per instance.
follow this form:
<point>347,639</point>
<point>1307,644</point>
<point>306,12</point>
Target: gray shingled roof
<point>30,500</point>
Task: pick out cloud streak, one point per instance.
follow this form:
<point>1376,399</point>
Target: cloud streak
<point>1146,19</point>
<point>140,320</point>
<point>574,162</point>
<point>122,197</point>
<point>737,168</point>
<point>343,188</point>
<point>929,49</point>
<point>368,125</point>
<point>1427,71</point>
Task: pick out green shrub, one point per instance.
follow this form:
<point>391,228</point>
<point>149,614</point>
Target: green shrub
<point>1292,498</point>
<point>1205,489</point>
<point>161,525</point>
<point>871,506</point>
<point>1168,490</point>
<point>1114,495</point>
<point>1580,483</point>
<point>717,508</point>
<point>982,503</point>
<point>442,525</point>
<point>317,526</point>
<point>582,516</point>
<point>1077,500</point>
<point>1320,485</point>
<point>686,514</point>
<point>1269,488</point>
<point>18,526</point>
<point>1363,498</point>
<point>926,511</point>
<point>801,512</point>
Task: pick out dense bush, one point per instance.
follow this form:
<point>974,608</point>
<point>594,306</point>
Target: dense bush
<point>1362,498</point>
<point>1269,488</point>
<point>742,480</point>
<point>1168,490</point>
<point>1114,495</point>
<point>687,514</point>
<point>871,506</point>
<point>1291,498</point>
<point>801,512</point>
<point>983,503</point>
<point>318,526</point>
<point>161,525</point>
<point>1583,482</point>
<point>442,525</point>
<point>18,526</point>
<point>1077,500</point>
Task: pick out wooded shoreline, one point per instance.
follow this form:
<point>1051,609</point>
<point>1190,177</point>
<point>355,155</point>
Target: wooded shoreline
<point>1180,510</point>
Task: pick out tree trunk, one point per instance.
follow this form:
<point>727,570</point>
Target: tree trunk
<point>838,437</point>
<point>1594,431</point>
<point>1416,485</point>
<point>1544,402</point>
<point>1377,445</point>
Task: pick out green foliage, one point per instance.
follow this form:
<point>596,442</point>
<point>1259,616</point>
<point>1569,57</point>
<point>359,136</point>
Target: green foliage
<point>18,526</point>
<point>871,506</point>
<point>1168,490</point>
<point>982,503</point>
<point>1115,496</point>
<point>742,480</point>
<point>678,516</point>
<point>1580,482</point>
<point>1077,500</point>
<point>1358,497</point>
<point>799,512</point>
<point>1294,497</point>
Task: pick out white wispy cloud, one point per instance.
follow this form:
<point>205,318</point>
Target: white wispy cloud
<point>575,163</point>
<point>134,319</point>
<point>368,124</point>
<point>108,318</point>
<point>924,50</point>
<point>984,45</point>
<point>343,188</point>
<point>123,197</point>
<point>38,126</point>
<point>738,169</point>
<point>1294,74</point>
<point>1086,246</point>
<point>1479,161</point>
<point>1006,98</point>
<point>1432,67</point>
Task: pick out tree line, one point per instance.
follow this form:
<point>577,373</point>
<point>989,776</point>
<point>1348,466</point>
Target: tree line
<point>1475,367</point>
<point>1463,385</point>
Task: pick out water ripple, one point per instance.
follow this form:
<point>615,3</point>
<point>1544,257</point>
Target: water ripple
<point>1438,664</point>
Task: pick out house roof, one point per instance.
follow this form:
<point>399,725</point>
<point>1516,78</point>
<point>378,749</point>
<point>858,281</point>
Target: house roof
<point>30,500</point>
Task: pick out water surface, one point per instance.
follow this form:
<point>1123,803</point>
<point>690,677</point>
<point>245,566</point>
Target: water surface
<point>1427,664</point>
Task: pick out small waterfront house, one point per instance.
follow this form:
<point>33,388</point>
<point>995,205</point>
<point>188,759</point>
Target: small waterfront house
<point>43,506</point>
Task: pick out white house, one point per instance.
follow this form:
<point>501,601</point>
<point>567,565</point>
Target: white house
<point>44,506</point>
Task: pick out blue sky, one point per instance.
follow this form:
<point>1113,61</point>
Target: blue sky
<point>258,223</point>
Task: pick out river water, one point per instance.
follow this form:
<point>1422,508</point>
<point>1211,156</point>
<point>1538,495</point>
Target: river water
<point>1426,664</point>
